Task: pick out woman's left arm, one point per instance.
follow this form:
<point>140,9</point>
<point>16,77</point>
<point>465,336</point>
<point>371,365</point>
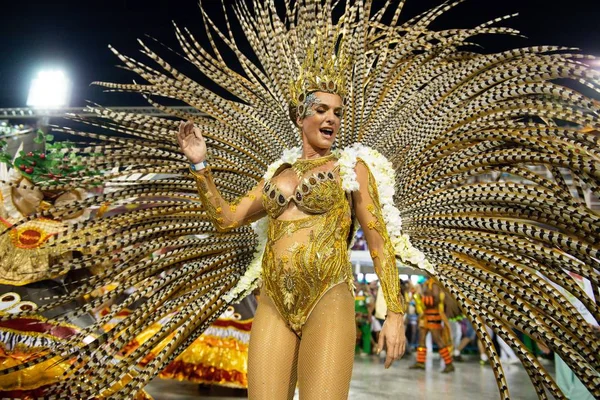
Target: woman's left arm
<point>368,212</point>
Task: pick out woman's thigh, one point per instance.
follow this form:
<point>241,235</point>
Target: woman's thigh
<point>326,351</point>
<point>272,355</point>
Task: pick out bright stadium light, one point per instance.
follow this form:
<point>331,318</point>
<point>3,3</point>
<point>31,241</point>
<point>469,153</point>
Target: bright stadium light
<point>50,89</point>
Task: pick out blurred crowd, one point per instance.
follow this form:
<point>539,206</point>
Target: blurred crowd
<point>434,323</point>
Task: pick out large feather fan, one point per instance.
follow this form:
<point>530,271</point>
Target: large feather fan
<point>497,168</point>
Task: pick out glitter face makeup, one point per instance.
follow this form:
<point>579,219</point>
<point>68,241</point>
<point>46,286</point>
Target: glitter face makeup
<point>310,101</point>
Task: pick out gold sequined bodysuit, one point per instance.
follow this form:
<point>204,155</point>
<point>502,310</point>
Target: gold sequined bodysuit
<point>306,257</point>
<point>307,245</point>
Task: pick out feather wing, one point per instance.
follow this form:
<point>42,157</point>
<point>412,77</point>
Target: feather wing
<point>495,177</point>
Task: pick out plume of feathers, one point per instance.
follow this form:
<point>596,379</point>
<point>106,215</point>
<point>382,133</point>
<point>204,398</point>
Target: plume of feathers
<point>496,172</point>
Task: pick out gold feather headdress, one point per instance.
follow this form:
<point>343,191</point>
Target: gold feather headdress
<point>324,69</point>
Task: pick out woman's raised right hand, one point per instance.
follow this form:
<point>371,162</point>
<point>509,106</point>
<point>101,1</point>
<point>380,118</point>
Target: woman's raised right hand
<point>191,142</point>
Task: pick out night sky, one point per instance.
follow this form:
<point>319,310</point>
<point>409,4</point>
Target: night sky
<point>74,35</point>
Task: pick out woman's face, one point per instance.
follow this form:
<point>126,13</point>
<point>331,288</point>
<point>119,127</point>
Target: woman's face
<point>322,121</point>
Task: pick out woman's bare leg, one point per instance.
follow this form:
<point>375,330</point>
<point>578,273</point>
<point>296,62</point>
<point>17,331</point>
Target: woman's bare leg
<point>272,355</point>
<point>326,351</point>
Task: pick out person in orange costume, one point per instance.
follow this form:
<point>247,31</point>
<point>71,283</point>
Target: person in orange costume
<point>430,307</point>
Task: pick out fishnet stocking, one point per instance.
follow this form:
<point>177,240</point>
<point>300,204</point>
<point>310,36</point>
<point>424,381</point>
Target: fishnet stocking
<point>321,361</point>
<point>327,347</point>
<point>272,355</point>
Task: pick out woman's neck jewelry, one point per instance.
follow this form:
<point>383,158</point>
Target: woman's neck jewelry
<point>303,165</point>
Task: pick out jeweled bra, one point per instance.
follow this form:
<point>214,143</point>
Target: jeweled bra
<point>313,195</point>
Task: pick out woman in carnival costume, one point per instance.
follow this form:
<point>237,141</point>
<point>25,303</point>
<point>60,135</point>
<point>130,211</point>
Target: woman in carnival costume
<point>305,321</point>
<point>453,161</point>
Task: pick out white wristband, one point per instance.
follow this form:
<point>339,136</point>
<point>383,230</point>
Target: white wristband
<point>198,167</point>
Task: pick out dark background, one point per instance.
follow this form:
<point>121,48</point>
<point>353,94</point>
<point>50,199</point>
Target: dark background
<point>74,35</point>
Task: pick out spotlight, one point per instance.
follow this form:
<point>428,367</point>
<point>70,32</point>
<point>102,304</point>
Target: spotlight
<point>50,89</point>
